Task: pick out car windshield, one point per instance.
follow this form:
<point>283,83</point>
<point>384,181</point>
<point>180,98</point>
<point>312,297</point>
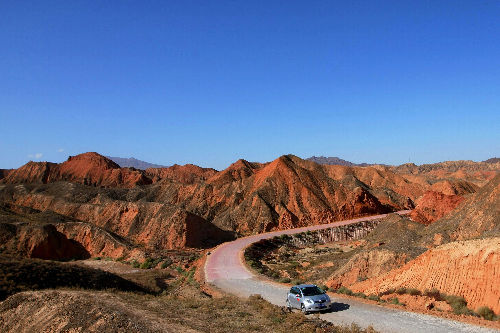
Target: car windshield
<point>311,291</point>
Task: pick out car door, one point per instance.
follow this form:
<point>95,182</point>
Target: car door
<point>294,300</point>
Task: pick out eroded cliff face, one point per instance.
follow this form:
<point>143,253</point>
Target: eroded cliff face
<point>366,265</point>
<point>478,216</point>
<point>39,241</point>
<point>154,225</point>
<point>434,205</point>
<point>465,268</point>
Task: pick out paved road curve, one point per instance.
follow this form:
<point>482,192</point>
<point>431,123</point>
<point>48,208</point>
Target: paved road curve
<point>224,268</point>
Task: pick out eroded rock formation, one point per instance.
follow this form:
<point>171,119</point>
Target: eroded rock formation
<point>465,268</point>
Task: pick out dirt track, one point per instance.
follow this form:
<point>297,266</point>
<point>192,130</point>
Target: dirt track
<point>225,269</point>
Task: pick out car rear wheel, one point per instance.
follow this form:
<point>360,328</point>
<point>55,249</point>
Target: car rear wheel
<point>288,305</point>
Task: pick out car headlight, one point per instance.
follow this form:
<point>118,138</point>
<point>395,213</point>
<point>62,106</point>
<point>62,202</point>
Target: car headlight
<point>308,301</point>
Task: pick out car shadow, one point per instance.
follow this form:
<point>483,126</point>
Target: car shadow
<point>337,307</point>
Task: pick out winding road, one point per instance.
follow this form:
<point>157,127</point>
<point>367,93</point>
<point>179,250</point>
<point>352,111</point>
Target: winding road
<point>225,269</point>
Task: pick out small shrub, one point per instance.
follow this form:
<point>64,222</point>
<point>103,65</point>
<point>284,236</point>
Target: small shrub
<point>434,293</point>
<point>374,297</point>
<point>401,291</point>
<point>486,313</point>
<point>361,295</point>
<point>345,291</point>
<point>285,280</point>
<point>414,292</point>
<point>458,304</point>
<point>147,264</point>
<point>97,258</point>
<point>387,292</point>
<point>166,263</point>
<point>395,300</point>
<point>298,281</point>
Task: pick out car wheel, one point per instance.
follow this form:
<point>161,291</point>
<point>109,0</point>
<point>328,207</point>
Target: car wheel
<point>288,305</point>
<point>303,309</point>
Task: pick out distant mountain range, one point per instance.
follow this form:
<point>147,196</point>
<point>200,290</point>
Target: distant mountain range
<point>334,161</point>
<point>339,161</point>
<point>132,162</point>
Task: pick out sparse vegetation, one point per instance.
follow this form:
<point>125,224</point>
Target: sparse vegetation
<point>345,291</point>
<point>166,263</point>
<point>32,274</point>
<point>486,313</point>
<point>374,297</point>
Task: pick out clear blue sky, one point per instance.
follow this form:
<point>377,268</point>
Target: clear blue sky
<point>208,82</point>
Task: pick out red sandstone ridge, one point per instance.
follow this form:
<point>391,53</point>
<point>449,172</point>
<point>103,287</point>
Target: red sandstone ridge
<point>237,171</point>
<point>433,206</point>
<point>88,169</point>
<point>192,206</point>
<point>185,174</point>
<point>31,172</point>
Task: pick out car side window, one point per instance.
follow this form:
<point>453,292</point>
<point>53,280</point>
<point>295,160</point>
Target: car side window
<point>295,291</point>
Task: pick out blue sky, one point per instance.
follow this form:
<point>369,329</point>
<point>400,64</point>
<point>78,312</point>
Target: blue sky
<point>209,82</point>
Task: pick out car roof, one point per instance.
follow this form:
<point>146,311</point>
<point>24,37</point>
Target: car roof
<point>305,285</point>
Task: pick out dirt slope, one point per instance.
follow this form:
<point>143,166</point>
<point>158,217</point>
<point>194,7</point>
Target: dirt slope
<point>72,311</point>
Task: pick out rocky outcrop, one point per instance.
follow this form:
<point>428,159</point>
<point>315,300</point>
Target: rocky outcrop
<point>31,172</point>
<point>456,187</point>
<point>477,216</point>
<point>433,206</point>
<point>463,268</point>
<point>365,265</point>
<point>39,241</point>
<point>185,174</point>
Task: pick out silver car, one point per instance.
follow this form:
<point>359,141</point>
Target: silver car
<point>308,298</point>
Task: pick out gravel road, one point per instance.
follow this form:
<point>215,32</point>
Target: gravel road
<point>224,268</point>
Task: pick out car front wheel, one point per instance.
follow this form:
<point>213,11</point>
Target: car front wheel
<point>303,309</point>
<point>288,305</point>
